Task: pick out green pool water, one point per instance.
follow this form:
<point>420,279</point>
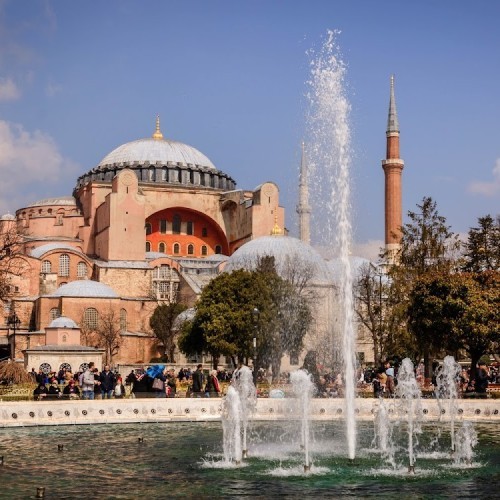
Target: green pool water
<point>184,460</point>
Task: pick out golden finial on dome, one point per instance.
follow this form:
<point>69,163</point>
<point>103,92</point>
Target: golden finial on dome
<point>157,134</point>
<point>276,231</point>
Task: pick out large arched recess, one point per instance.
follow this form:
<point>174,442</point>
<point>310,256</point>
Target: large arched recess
<point>205,233</point>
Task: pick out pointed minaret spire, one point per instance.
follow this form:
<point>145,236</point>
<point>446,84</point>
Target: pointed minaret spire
<point>157,134</point>
<point>303,208</point>
<point>393,167</point>
<point>392,121</point>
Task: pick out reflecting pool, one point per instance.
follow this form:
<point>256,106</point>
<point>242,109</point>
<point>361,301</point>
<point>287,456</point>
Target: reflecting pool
<point>186,460</point>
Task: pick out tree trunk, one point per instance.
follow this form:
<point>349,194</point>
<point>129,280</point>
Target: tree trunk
<point>474,360</point>
<point>427,366</point>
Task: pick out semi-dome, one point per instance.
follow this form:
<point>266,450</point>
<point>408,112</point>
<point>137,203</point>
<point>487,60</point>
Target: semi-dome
<point>291,255</point>
<point>63,322</point>
<point>156,151</point>
<point>85,288</point>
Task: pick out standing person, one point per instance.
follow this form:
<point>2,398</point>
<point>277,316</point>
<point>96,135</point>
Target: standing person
<point>119,388</point>
<point>389,385</point>
<point>212,388</point>
<point>482,379</point>
<point>197,381</point>
<point>88,382</point>
<point>171,386</point>
<point>158,386</point>
<point>107,383</point>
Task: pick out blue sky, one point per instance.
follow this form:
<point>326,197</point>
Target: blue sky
<point>79,78</point>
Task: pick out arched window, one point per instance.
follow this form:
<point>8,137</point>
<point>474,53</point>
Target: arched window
<point>46,266</point>
<point>64,338</point>
<point>148,246</point>
<point>64,264</point>
<point>123,320</point>
<point>163,226</point>
<point>190,249</point>
<point>176,224</point>
<point>91,318</point>
<point>148,228</point>
<point>54,313</point>
<point>151,174</point>
<point>189,227</point>
<point>162,247</point>
<point>204,250</point>
<point>177,249</point>
<point>218,249</point>
<point>81,270</point>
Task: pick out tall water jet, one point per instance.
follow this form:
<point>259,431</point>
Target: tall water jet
<point>303,389</point>
<point>410,398</point>
<point>231,427</point>
<point>447,388</point>
<point>329,153</point>
<point>243,383</point>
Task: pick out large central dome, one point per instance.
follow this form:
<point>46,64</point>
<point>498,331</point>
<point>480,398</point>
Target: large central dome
<point>156,150</point>
<point>160,161</point>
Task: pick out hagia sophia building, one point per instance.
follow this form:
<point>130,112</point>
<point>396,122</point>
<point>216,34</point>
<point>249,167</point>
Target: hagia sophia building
<point>153,223</point>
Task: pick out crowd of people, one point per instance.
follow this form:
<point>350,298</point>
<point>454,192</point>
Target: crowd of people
<point>160,382</point>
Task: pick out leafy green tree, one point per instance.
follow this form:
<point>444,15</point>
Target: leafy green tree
<point>458,310</point>
<point>224,323</point>
<point>482,249</point>
<point>162,322</point>
<point>428,246</point>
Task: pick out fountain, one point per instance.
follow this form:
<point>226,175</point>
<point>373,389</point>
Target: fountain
<point>447,381</point>
<point>330,159</point>
<point>231,427</point>
<point>466,440</point>
<point>410,401</point>
<point>303,389</point>
<point>245,388</point>
<point>383,428</point>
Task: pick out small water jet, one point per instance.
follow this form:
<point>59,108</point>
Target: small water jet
<point>383,427</point>
<point>447,388</point>
<point>243,383</point>
<point>410,401</point>
<point>231,427</point>
<point>466,440</point>
<point>303,389</point>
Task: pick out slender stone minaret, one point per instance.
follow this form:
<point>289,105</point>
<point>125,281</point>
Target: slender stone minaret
<point>393,168</point>
<point>303,208</point>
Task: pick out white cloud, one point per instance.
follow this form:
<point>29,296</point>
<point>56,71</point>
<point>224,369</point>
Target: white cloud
<point>8,90</point>
<point>28,163</point>
<point>52,89</point>
<point>488,188</point>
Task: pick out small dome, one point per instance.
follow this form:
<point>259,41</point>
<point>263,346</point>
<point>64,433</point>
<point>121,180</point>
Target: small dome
<point>289,253</point>
<point>63,322</point>
<point>8,217</point>
<point>85,288</point>
<point>156,150</point>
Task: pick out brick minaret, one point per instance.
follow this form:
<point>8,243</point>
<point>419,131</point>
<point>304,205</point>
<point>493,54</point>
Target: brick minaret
<point>303,208</point>
<point>393,168</point>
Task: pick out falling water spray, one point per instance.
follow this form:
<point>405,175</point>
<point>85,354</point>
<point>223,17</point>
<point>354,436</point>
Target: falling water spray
<point>329,155</point>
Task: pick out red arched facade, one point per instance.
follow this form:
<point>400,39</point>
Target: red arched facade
<point>184,233</point>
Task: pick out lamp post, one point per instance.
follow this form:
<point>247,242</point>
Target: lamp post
<point>14,322</point>
<point>256,314</point>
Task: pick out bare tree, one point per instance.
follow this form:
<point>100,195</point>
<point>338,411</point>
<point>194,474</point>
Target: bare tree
<point>108,335</point>
<point>12,262</point>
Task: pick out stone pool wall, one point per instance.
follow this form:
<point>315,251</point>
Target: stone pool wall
<point>19,414</point>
